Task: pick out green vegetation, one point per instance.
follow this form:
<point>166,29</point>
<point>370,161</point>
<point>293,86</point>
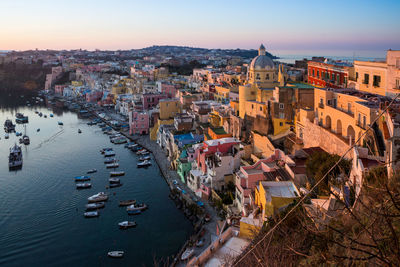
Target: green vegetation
<point>319,164</point>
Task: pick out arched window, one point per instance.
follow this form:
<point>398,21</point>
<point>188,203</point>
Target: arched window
<point>267,76</point>
<point>258,76</point>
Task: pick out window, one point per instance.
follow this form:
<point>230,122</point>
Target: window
<point>258,76</point>
<point>317,73</point>
<point>397,83</point>
<point>397,62</point>
<point>359,118</point>
<point>345,81</point>
<point>356,76</point>
<point>252,106</point>
<point>349,107</point>
<point>377,80</point>
<point>281,115</point>
<point>326,75</point>
<point>366,79</point>
<point>281,106</point>
<point>281,124</point>
<point>338,78</point>
<point>260,108</point>
<point>364,121</point>
<point>267,76</point>
<point>313,73</point>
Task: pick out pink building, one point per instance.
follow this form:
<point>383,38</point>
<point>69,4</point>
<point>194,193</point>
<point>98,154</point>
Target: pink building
<point>94,96</point>
<point>168,89</point>
<point>275,168</point>
<point>138,122</point>
<point>151,100</point>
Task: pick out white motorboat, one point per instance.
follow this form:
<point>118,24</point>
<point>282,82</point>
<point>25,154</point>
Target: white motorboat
<point>95,206</point>
<point>83,185</point>
<point>143,158</point>
<point>15,157</point>
<point>110,160</point>
<point>135,207</point>
<point>114,180</point>
<point>187,254</point>
<point>127,224</point>
<point>112,165</point>
<point>115,254</point>
<point>144,163</point>
<point>109,153</point>
<point>92,171</point>
<point>91,214</point>
<point>101,196</point>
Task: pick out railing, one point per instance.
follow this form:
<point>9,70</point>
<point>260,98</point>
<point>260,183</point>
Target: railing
<point>361,125</point>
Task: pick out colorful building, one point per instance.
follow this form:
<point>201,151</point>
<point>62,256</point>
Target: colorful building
<point>330,74</point>
<point>138,122</point>
<point>151,100</point>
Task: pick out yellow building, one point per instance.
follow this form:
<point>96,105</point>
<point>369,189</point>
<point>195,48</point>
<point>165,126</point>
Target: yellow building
<point>221,94</point>
<point>169,107</point>
<point>216,133</point>
<point>261,80</point>
<point>270,196</point>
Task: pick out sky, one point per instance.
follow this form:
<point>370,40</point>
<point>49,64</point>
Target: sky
<point>282,25</point>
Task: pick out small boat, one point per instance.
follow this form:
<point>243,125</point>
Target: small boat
<point>127,202</point>
<point>127,224</point>
<point>109,153</point>
<point>19,115</point>
<point>110,160</point>
<point>44,116</point>
<point>51,115</point>
<point>119,140</point>
<point>115,185</point>
<point>40,114</point>
<point>91,214</point>
<point>143,163</point>
<point>36,111</point>
<point>15,158</point>
<point>23,119</point>
<point>136,206</point>
<point>143,158</point>
<point>114,181</point>
<point>18,134</point>
<point>115,254</point>
<point>187,254</point>
<point>101,196</point>
<point>95,206</point>
<point>38,130</point>
<point>60,123</point>
<point>79,131</point>
<point>103,150</point>
<point>91,171</point>
<point>117,173</point>
<point>83,185</point>
<point>26,140</point>
<point>112,165</point>
<point>6,136</point>
<point>82,178</point>
<point>134,212</point>
<point>143,153</point>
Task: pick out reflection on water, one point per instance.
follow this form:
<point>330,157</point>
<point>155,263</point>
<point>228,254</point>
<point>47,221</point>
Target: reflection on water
<point>41,212</point>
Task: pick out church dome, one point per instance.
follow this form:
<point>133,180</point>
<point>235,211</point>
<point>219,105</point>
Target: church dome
<point>262,62</point>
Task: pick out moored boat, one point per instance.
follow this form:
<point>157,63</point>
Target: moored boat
<point>91,214</point>
<point>127,202</point>
<point>115,254</point>
<point>143,158</point>
<point>117,173</point>
<point>115,185</point>
<point>101,196</point>
<point>82,178</point>
<point>60,123</point>
<point>102,151</point>
<point>109,153</point>
<point>9,126</point>
<point>79,131</point>
<point>26,140</point>
<point>110,160</point>
<point>15,157</point>
<point>91,171</point>
<point>136,206</point>
<point>114,180</point>
<point>187,253</point>
<point>83,185</point>
<point>112,165</point>
<point>143,163</point>
<point>6,136</point>
<point>127,224</point>
<point>95,206</point>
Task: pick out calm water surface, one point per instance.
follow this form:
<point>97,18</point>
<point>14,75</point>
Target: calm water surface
<point>41,212</point>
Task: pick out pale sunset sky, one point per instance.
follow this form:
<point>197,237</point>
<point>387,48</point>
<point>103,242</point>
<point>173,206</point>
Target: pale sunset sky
<point>289,25</point>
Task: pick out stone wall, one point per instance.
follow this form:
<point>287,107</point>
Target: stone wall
<point>316,136</point>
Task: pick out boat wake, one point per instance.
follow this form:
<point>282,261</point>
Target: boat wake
<point>50,139</point>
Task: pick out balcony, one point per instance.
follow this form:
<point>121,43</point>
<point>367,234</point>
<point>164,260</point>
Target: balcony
<point>361,125</point>
<point>321,105</point>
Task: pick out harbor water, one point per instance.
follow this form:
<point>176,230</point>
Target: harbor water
<point>41,211</point>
